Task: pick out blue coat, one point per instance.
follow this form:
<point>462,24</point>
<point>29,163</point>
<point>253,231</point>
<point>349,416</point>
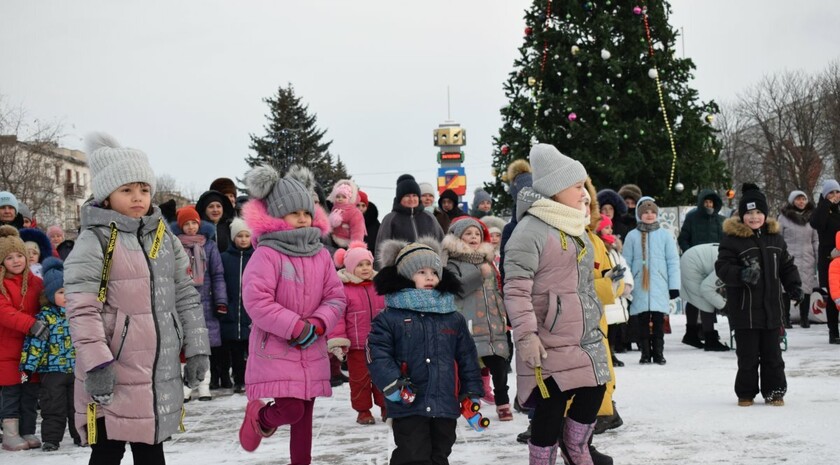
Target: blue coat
<point>430,344</point>
<point>663,267</point>
<point>236,325</point>
<point>56,354</point>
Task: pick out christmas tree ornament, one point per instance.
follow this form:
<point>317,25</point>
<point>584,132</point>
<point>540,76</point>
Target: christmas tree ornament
<point>679,187</point>
<point>626,137</point>
<point>541,18</point>
<point>588,6</point>
<point>605,123</point>
<point>569,109</point>
<point>568,16</point>
<point>710,118</point>
<point>572,116</point>
<point>568,136</point>
<point>574,92</point>
<point>629,91</point>
<point>534,141</point>
<point>637,10</point>
<point>605,107</point>
<point>641,132</point>
<point>653,73</point>
<point>618,75</point>
<point>605,54</point>
<point>598,98</point>
<point>589,75</point>
<point>529,30</point>
<point>532,81</point>
<point>575,50</point>
<point>493,172</point>
<point>505,149</point>
<point>578,63</point>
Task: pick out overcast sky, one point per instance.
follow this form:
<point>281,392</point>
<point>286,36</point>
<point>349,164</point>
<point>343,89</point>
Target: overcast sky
<point>184,80</point>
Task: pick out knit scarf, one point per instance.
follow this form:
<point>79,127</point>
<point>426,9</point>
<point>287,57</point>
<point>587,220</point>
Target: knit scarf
<point>194,246</point>
<point>563,217</point>
<point>474,258</point>
<point>645,228</point>
<point>422,301</point>
<point>301,242</point>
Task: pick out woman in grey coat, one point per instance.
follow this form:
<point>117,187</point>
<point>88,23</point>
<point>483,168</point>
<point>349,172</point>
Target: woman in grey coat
<point>803,243</point>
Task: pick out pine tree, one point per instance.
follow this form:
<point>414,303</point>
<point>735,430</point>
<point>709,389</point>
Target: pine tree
<point>586,82</point>
<point>292,138</point>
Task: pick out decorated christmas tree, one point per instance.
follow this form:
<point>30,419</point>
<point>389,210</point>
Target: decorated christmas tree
<point>604,83</point>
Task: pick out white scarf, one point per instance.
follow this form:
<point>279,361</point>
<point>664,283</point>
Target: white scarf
<point>571,221</point>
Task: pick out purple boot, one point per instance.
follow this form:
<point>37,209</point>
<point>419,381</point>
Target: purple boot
<point>542,455</point>
<point>576,442</point>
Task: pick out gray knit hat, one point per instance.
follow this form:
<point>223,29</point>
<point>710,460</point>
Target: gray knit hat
<point>480,195</point>
<point>282,195</point>
<point>830,185</point>
<point>794,194</point>
<point>458,227</point>
<point>553,171</point>
<point>8,199</point>
<point>112,165</point>
<point>427,188</point>
<point>416,256</point>
<point>24,210</point>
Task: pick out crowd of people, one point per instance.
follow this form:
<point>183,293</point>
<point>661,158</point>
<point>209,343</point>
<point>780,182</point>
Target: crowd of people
<point>431,309</point>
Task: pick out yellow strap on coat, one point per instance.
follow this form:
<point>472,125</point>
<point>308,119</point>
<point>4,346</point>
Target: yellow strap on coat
<point>106,268</point>
<point>161,229</point>
<point>181,426</point>
<point>91,423</point>
<point>540,383</point>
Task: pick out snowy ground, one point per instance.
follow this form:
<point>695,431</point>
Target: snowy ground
<point>682,413</point>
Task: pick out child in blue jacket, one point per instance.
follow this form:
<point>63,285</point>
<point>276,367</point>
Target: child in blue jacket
<point>54,359</point>
<point>413,346</point>
<point>236,324</point>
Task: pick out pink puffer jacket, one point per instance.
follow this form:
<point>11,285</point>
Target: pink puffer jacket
<point>363,304</point>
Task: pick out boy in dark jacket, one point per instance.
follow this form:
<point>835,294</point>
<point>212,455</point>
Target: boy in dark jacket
<point>412,347</point>
<point>753,263</point>
<point>236,324</point>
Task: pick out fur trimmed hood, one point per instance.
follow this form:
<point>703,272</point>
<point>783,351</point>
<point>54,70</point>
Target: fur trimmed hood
<point>735,227</point>
<point>45,248</point>
<point>453,247</point>
<point>354,191</point>
<point>389,281</point>
<point>611,197</point>
<point>797,216</point>
<point>257,218</point>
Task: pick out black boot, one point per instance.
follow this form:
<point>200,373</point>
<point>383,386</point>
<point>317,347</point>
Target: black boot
<point>691,338</point>
<point>644,347</point>
<point>616,362</point>
<point>658,348</point>
<point>524,436</point>
<point>597,457</point>
<point>786,317</point>
<point>713,343</point>
<point>804,312</point>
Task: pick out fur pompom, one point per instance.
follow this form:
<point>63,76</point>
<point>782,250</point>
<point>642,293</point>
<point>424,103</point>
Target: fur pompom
<point>388,251</point>
<point>260,180</point>
<point>338,258</point>
<point>96,140</point>
<point>11,231</point>
<point>748,186</point>
<point>302,175</point>
<point>516,168</point>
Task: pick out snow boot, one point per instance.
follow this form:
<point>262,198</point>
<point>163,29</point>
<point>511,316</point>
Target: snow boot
<point>504,412</point>
<point>597,457</point>
<point>691,338</point>
<point>644,347</point>
<point>32,440</point>
<point>605,423</point>
<point>616,362</point>
<point>11,436</point>
<point>658,349</point>
<point>804,312</point>
<point>204,388</point>
<point>713,343</point>
<point>542,455</point>
<point>524,436</point>
<point>488,398</point>
<point>365,418</point>
<point>576,442</point>
<point>251,433</point>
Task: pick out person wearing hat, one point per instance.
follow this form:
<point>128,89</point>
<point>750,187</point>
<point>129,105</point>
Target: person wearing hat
<point>55,369</point>
<point>548,267</point>
<point>427,199</point>
<point>56,235</point>
<point>652,256</point>
<point>803,244</point>
<point>39,247</point>
<point>448,203</point>
<point>293,296</point>
<point>9,210</point>
<point>19,294</point>
<point>226,187</point>
<point>413,346</point>
<point>631,194</point>
<point>482,203</point>
<point>407,221</point>
<point>495,226</point>
<point>236,324</point>
<point>614,208</point>
<point>146,307</point>
<point>216,208</point>
<point>826,221</point>
<point>371,214</point>
<point>754,265</point>
<point>26,214</point>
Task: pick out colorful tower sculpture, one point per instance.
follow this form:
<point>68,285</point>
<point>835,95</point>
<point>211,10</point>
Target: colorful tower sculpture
<point>450,138</point>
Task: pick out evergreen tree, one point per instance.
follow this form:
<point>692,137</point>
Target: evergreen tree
<point>292,138</point>
<point>586,82</point>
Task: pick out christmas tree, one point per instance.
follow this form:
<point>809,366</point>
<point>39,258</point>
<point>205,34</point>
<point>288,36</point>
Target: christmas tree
<point>292,138</point>
<point>602,82</point>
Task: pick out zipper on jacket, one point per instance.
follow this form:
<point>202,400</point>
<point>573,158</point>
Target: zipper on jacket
<point>123,334</point>
<point>556,314</point>
<point>177,331</point>
<point>414,225</point>
<point>154,319</point>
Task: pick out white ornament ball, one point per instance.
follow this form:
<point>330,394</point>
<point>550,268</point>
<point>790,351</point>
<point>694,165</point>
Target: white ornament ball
<point>679,187</point>
<point>534,140</point>
<point>605,54</point>
<point>652,73</point>
<point>575,49</point>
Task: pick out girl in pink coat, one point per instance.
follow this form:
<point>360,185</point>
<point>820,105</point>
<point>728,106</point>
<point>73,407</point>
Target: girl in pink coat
<point>293,296</point>
<point>347,221</point>
<point>350,335</point>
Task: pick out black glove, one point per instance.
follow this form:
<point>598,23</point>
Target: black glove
<point>40,330</point>
<point>751,272</point>
<point>796,295</point>
<point>673,293</point>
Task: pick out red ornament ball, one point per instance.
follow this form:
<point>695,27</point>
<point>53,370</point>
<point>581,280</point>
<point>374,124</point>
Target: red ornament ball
<point>505,149</point>
<point>529,30</point>
<point>637,10</point>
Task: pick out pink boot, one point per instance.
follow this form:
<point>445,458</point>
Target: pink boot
<point>576,442</point>
<point>542,455</point>
<point>488,398</point>
<point>251,433</point>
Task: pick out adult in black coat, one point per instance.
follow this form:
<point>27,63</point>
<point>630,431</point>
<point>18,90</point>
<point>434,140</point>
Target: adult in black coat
<point>614,208</point>
<point>826,221</point>
<point>408,221</point>
<point>215,207</point>
<point>448,202</point>
<point>371,214</point>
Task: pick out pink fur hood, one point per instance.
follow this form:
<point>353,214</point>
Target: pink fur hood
<point>257,218</point>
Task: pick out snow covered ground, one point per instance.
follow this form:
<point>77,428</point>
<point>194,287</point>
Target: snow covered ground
<point>682,413</point>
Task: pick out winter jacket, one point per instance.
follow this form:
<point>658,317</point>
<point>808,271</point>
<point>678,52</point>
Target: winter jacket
<point>56,354</point>
<point>212,291</point>
<point>834,273</point>
<point>408,224</point>
<point>349,224</point>
<point>700,226</point>
<point>371,227</point>
<point>363,304</point>
<point>151,312</point>
<point>17,315</point>
<point>431,346</point>
<point>663,263</point>
<point>550,293</point>
<point>611,198</point>
<point>802,241</point>
<point>442,219</point>
<point>236,325</point>
<point>756,306</point>
<point>618,311</point>
<point>280,289</point>
<point>826,222</point>
<point>222,236</point>
<point>480,301</point>
<point>456,209</point>
<point>699,283</point>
